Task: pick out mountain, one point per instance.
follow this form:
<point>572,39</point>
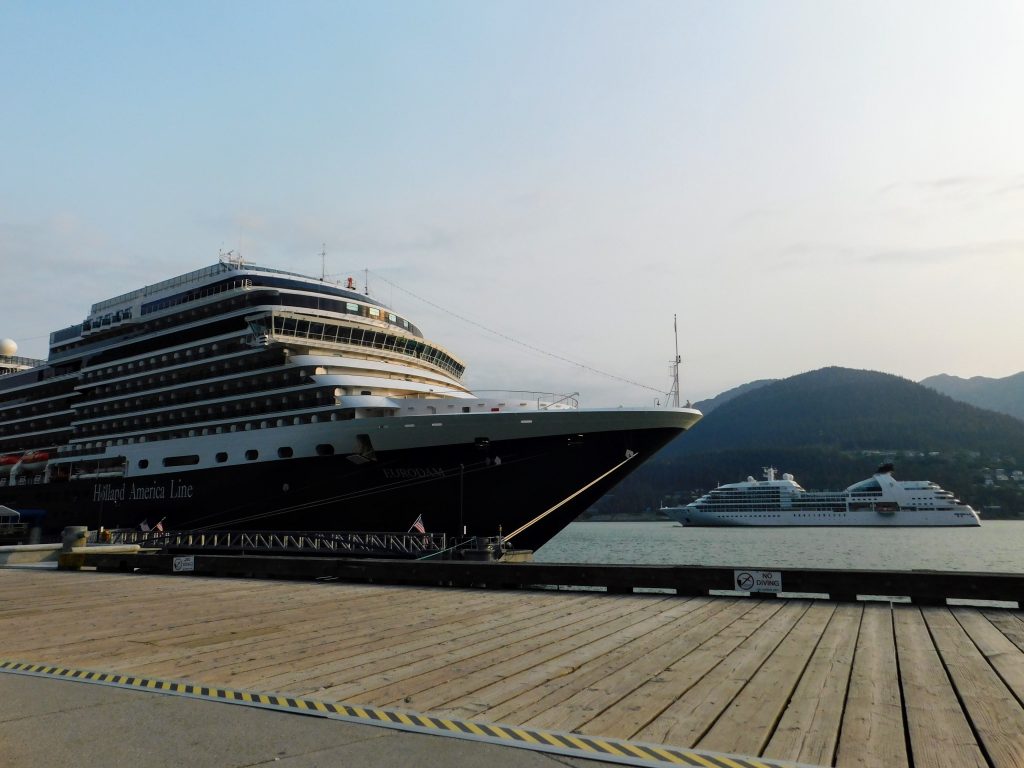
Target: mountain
<point>707,406</point>
<point>845,409</point>
<point>1005,395</point>
<point>831,428</point>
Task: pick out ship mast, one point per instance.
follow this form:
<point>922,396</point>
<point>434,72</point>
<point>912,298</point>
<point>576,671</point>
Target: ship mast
<point>673,395</point>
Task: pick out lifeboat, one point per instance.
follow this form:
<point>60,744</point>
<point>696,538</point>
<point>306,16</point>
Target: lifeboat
<point>34,461</point>
<point>7,464</point>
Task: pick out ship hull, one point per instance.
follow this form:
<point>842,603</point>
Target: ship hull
<point>483,475</point>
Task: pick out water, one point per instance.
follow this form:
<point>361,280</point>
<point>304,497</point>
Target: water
<point>995,546</point>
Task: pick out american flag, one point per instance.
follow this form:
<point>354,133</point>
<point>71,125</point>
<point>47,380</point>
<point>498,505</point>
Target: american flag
<point>159,526</point>
<point>418,525</point>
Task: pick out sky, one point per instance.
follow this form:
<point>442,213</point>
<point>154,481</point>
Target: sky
<point>802,183</point>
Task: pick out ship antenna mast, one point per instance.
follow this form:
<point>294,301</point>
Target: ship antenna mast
<point>673,396</point>
<point>323,262</point>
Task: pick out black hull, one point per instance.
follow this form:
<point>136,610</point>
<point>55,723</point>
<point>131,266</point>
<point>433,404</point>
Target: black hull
<point>482,489</point>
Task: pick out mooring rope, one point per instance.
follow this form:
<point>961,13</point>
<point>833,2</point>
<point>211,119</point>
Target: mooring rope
<point>629,456</point>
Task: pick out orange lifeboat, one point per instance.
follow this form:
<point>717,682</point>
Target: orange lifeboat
<point>34,461</point>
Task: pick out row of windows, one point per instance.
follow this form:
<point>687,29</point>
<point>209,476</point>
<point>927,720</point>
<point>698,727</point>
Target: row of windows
<point>334,333</point>
<point>177,358</point>
<point>196,293</point>
<point>294,401</point>
<point>25,409</point>
<point>362,308</point>
<point>24,427</point>
<point>186,395</point>
<point>242,426</point>
<point>284,452</point>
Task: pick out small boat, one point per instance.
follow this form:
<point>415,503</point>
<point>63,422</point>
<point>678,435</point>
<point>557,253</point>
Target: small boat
<point>34,461</point>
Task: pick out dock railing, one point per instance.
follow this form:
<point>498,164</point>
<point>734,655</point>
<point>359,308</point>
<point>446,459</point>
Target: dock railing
<point>407,545</point>
<point>920,587</point>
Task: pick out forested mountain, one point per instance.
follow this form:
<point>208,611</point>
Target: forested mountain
<point>1005,395</point>
<point>707,406</point>
<point>831,428</point>
<point>845,409</point>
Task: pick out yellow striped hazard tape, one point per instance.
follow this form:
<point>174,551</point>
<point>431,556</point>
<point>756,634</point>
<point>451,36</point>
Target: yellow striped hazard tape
<point>570,744</point>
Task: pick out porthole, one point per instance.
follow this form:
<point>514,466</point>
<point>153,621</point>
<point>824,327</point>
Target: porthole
<point>252,455</point>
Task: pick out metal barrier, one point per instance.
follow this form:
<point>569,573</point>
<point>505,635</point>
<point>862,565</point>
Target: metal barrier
<point>359,543</point>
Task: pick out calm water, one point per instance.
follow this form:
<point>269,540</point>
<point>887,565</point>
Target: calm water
<point>994,546</point>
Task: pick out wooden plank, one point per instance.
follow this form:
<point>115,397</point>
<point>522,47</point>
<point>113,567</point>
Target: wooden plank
<point>349,670</point>
<point>594,664</point>
<point>637,710</point>
<point>809,729</point>
<point>872,732</point>
<point>349,630</point>
<point>500,670</point>
<point>940,735</point>
<point>220,642</point>
<point>573,713</point>
<point>686,721</point>
<point>440,682</point>
<point>1009,623</point>
<point>996,714</point>
<point>749,721</point>
<point>1005,657</point>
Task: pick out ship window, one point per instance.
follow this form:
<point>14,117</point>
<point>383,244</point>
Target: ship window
<point>351,307</point>
<point>325,449</point>
<point>221,457</point>
<point>374,312</point>
<point>143,463</point>
<point>180,461</point>
<point>252,455</point>
<point>284,453</point>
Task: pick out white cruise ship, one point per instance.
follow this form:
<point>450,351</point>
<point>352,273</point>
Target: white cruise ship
<point>239,396</point>
<point>881,500</point>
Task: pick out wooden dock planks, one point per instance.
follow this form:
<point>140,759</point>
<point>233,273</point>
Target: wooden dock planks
<point>872,731</point>
<point>849,684</point>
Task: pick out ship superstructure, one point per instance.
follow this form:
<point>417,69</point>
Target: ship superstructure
<point>244,396</point>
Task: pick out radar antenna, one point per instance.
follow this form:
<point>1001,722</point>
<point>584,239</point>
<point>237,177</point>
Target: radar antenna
<point>673,395</point>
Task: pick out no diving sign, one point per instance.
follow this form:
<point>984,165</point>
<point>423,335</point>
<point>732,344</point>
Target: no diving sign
<point>758,581</point>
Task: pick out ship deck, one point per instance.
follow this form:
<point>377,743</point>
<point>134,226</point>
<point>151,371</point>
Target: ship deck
<point>814,681</point>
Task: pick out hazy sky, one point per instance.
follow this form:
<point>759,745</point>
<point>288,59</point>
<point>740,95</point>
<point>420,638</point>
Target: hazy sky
<point>804,183</point>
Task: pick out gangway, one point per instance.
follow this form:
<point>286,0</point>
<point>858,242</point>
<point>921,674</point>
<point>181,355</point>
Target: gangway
<point>410,545</point>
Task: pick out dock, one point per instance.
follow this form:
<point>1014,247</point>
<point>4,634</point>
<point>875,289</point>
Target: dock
<point>815,682</point>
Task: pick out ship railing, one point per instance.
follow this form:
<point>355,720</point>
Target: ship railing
<point>340,543</point>
<point>31,362</point>
<point>542,400</point>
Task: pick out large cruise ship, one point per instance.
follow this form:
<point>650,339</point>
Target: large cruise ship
<point>243,397</point>
<point>881,500</point>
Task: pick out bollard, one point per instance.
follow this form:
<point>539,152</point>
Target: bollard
<point>73,536</point>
